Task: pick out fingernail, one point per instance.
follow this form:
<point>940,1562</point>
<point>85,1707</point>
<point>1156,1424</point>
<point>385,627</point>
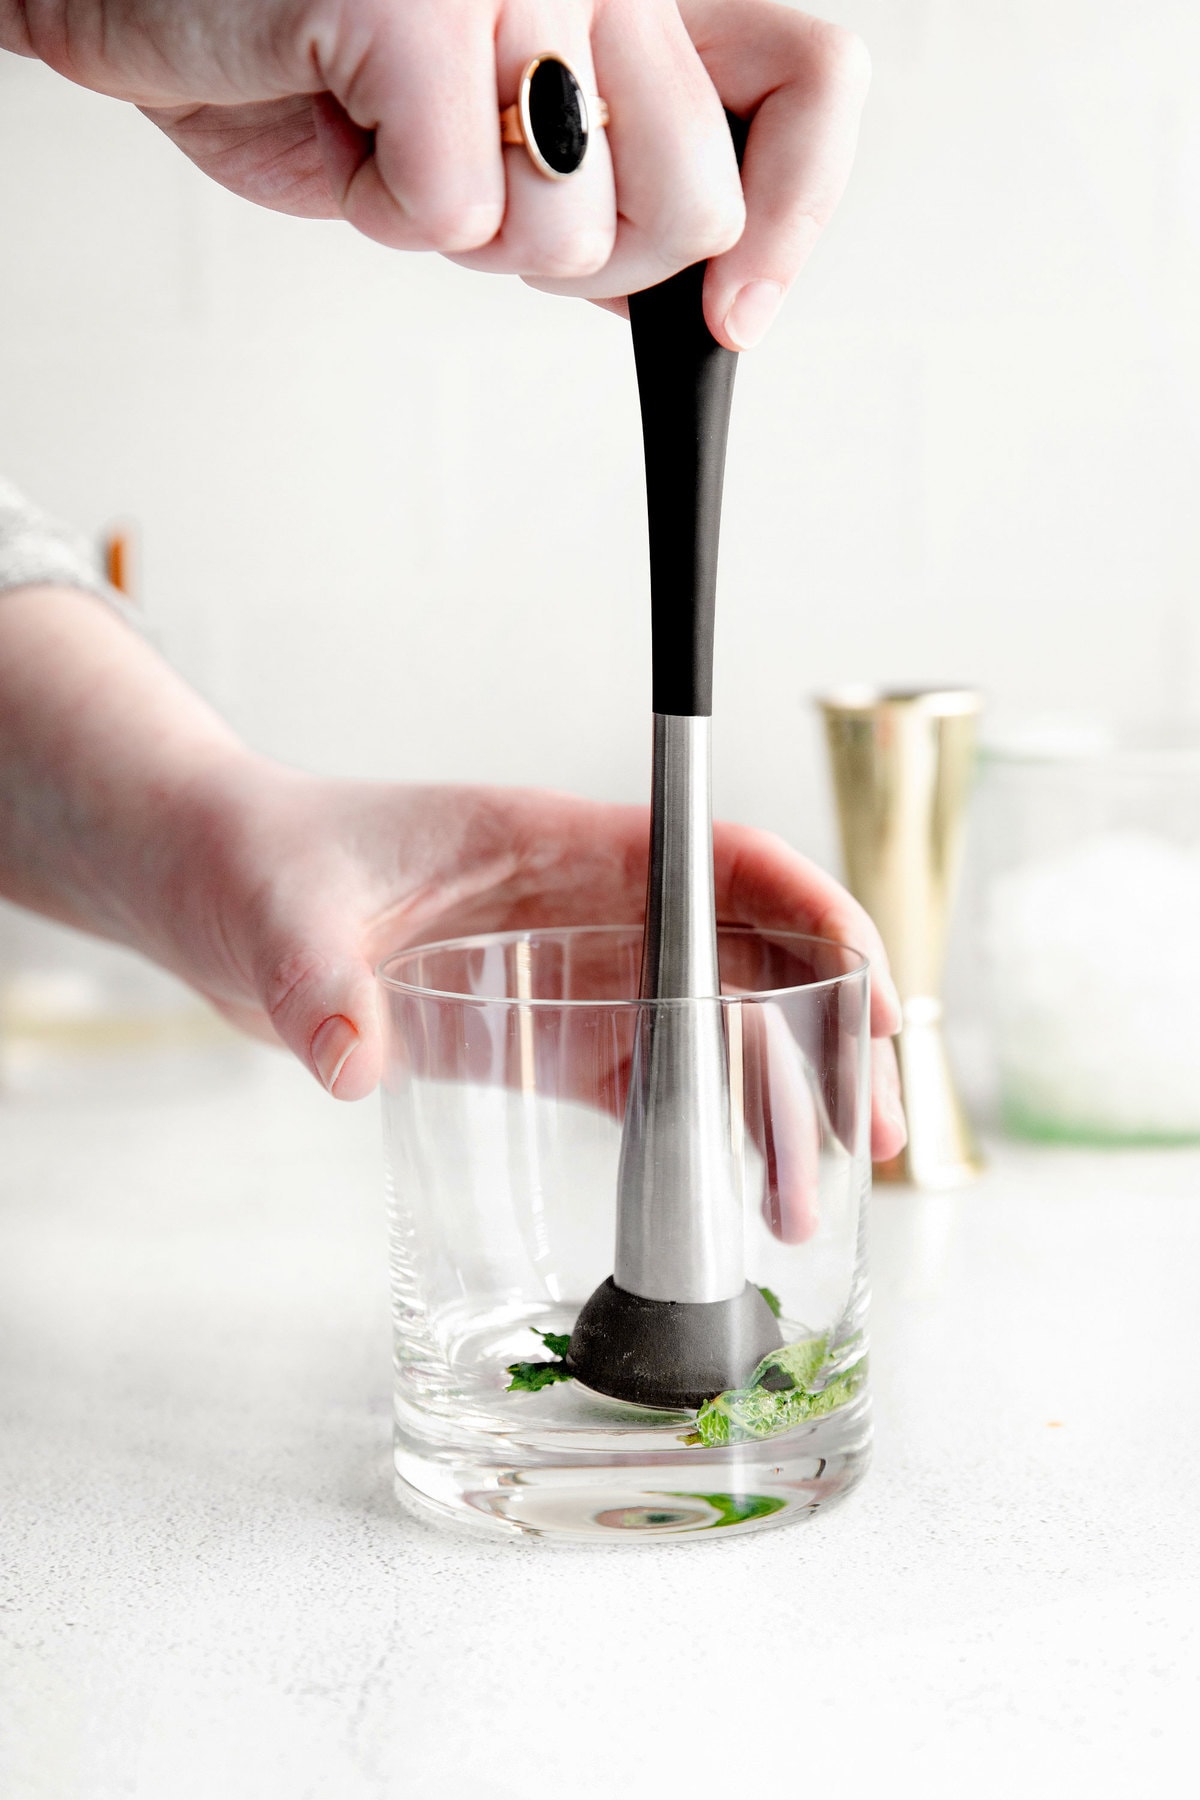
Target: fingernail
<point>754,306</point>
<point>333,1043</point>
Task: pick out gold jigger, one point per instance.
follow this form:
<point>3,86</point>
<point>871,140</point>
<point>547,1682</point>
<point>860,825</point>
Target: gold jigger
<point>901,771</point>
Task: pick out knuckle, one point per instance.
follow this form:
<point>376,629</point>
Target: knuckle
<point>459,226</point>
<point>840,58</point>
<point>702,225</point>
<point>583,253</point>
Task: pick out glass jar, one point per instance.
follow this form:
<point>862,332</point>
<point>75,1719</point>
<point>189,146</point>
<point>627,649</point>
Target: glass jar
<point>1089,849</point>
<point>506,1080</point>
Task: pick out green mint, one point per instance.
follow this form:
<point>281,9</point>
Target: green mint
<point>531,1377</point>
<point>789,1386</point>
<point>793,1366</point>
<point>735,1509</point>
<point>785,1390</point>
<point>772,1299</point>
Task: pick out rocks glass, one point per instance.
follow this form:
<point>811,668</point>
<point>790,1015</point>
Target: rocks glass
<point>506,1080</point>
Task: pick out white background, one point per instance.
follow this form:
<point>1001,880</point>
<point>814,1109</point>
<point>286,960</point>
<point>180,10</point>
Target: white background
<point>391,512</point>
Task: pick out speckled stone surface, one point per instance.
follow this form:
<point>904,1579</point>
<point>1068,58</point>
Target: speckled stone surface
<point>207,1591</point>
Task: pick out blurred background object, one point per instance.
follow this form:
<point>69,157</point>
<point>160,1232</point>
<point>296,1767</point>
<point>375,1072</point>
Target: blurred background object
<point>117,560</point>
<point>81,1017</point>
<point>902,766</point>
<point>1089,858</point>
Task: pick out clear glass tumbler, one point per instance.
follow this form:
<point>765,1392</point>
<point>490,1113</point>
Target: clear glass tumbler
<point>507,1073</point>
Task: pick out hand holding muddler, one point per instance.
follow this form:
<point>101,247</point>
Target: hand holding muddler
<point>427,128</point>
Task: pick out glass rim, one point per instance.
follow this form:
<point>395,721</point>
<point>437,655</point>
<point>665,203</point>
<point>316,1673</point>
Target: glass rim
<point>1181,758</point>
<point>953,699</point>
<point>476,940</point>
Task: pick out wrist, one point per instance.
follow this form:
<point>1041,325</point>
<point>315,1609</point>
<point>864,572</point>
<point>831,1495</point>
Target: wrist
<point>101,744</point>
<point>207,851</point>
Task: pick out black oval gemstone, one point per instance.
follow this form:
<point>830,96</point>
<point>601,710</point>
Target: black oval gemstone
<point>556,116</point>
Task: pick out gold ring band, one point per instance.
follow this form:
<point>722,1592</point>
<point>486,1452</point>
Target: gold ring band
<point>552,118</point>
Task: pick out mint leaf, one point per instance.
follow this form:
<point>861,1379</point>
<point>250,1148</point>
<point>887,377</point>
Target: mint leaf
<point>835,1393</point>
<point>772,1299</point>
<point>794,1366</point>
<point>531,1377</point>
<point>743,1413</point>
<point>785,1390</point>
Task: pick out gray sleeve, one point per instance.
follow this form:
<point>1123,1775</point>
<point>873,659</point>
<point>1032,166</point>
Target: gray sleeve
<point>35,549</point>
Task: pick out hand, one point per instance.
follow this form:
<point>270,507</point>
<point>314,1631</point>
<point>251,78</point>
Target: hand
<point>385,113</point>
<point>127,808</point>
<point>283,892</point>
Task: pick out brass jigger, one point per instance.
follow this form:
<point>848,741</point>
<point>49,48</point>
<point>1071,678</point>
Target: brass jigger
<point>902,765</point>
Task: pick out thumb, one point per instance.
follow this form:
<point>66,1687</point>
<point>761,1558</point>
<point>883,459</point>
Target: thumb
<point>320,996</point>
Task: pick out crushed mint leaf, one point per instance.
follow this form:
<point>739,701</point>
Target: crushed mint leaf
<point>531,1377</point>
<point>787,1388</point>
<point>771,1297</point>
<point>793,1366</point>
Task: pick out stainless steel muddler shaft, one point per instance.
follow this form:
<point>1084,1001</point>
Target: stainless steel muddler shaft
<point>679,1208</point>
<point>677,1322</point>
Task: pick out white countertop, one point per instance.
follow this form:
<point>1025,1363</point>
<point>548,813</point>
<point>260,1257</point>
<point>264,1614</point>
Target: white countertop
<point>208,1592</point>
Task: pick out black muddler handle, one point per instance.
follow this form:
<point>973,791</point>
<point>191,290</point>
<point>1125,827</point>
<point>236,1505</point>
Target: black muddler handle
<point>685,384</point>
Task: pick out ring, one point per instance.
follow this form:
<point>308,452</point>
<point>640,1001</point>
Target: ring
<point>552,117</point>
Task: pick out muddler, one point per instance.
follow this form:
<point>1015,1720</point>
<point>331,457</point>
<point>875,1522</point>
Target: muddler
<point>677,1322</point>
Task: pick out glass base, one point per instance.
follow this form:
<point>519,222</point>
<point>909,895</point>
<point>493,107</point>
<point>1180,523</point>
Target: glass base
<point>626,1483</point>
<point>1021,1121</point>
